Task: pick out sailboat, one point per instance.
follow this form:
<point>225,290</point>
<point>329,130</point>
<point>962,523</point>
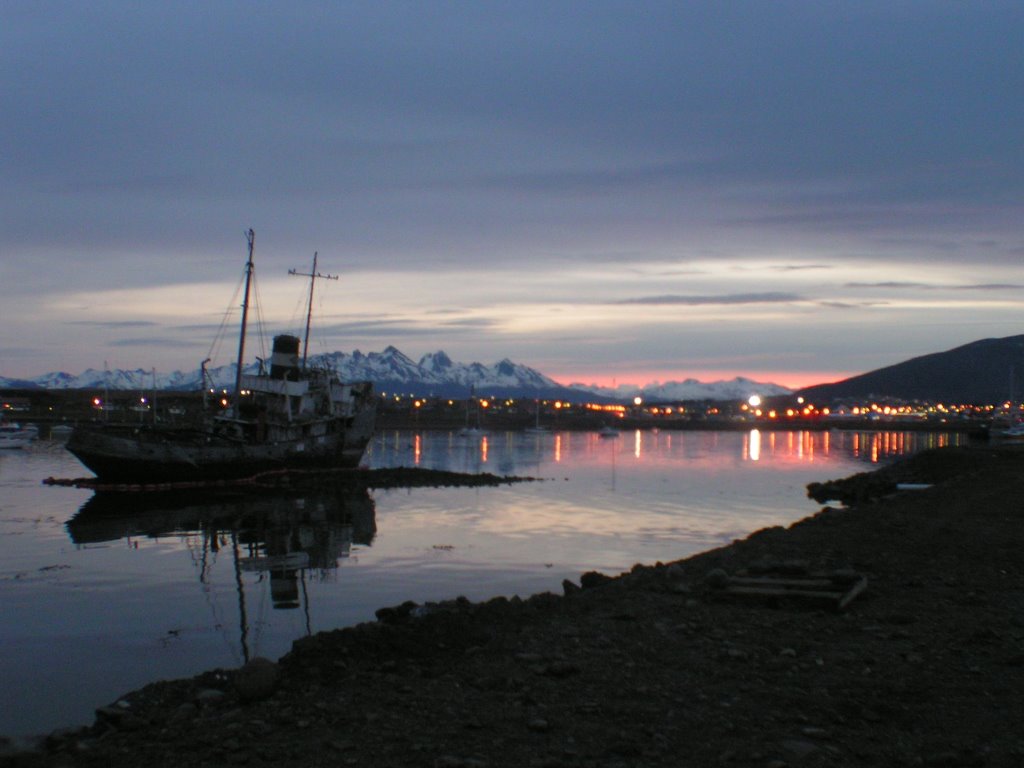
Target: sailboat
<point>472,430</point>
<point>537,429</point>
<point>292,417</point>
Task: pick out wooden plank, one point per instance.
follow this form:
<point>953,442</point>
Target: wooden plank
<point>783,592</point>
<point>796,583</point>
<point>855,590</point>
<point>814,589</point>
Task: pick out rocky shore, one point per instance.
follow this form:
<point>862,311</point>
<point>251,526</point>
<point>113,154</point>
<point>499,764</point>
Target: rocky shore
<point>745,655</point>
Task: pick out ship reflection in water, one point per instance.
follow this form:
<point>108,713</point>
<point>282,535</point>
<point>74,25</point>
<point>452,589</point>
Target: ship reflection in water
<point>283,537</point>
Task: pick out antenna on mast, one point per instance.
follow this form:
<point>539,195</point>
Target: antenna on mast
<point>312,275</point>
<point>250,238</point>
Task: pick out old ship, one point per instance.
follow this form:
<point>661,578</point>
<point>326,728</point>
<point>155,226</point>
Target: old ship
<point>290,417</point>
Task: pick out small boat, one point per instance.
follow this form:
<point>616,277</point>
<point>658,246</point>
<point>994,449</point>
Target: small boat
<point>537,428</point>
<point>293,416</point>
<point>1014,432</point>
<point>472,430</point>
<point>14,435</point>
<point>607,431</point>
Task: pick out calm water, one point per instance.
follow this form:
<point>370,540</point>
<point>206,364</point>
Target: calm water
<point>101,595</point>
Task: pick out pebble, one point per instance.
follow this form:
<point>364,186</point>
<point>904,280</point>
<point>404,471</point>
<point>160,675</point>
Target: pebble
<point>560,669</point>
<point>717,579</point>
<point>799,749</point>
<point>813,732</point>
<point>209,696</point>
<point>539,725</point>
<point>257,680</point>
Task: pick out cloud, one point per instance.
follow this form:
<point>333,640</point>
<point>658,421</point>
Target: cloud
<point>905,285</point>
<point>163,343</point>
<point>800,267</point>
<point>771,297</point>
<point>596,181</point>
<point>399,327</point>
<point>114,323</point>
<point>850,305</point>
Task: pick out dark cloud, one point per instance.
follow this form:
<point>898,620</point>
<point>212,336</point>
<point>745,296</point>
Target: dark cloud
<point>387,113</point>
<point>800,267</point>
<point>470,322</point>
<point>114,323</point>
<point>849,304</point>
<point>157,341</point>
<point>904,285</point>
<point>399,327</point>
<point>771,297</point>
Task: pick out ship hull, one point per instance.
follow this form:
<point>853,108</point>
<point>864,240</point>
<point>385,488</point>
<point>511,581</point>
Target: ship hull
<point>126,455</point>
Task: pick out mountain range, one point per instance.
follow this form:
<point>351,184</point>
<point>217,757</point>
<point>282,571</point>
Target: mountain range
<point>985,371</point>
<point>989,371</point>
<point>435,374</point>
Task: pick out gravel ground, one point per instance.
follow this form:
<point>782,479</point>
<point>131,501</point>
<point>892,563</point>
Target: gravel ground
<point>664,666</point>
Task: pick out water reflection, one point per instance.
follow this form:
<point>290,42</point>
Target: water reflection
<point>518,453</point>
<point>282,537</point>
<point>162,586</point>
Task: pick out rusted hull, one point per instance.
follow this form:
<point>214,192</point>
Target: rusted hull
<point>121,455</point>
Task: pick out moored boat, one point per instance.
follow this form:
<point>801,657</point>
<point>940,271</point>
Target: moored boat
<point>14,435</point>
<point>537,428</point>
<point>1014,432</point>
<point>293,416</point>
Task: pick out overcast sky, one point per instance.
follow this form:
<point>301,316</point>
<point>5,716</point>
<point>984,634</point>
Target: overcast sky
<point>793,191</point>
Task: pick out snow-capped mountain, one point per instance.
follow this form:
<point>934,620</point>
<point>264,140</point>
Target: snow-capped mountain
<point>390,370</point>
<point>435,374</point>
<point>739,388</point>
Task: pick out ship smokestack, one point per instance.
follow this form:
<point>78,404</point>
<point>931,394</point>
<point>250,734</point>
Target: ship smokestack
<point>284,363</point>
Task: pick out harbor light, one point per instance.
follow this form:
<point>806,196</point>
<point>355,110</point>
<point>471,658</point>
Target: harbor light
<point>754,401</point>
<point>638,401</point>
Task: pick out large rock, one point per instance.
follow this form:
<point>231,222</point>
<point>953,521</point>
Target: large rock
<point>257,680</point>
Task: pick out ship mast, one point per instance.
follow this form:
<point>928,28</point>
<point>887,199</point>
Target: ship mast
<point>313,275</point>
<point>250,237</point>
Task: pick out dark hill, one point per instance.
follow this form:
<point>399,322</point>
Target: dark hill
<point>980,372</point>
